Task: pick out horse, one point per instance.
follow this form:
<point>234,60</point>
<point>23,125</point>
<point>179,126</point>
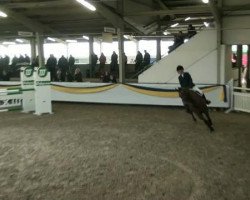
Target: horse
<point>194,103</point>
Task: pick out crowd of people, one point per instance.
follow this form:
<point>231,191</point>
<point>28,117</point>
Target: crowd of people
<point>64,69</point>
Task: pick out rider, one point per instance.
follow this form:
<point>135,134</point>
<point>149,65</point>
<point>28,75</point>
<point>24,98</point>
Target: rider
<point>186,81</point>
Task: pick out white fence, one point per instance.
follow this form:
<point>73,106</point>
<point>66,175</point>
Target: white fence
<point>241,99</point>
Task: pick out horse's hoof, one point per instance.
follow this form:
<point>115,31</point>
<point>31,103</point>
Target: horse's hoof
<point>212,130</point>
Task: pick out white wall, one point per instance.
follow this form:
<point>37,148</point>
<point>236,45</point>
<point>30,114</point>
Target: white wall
<point>198,56</point>
<point>236,30</point>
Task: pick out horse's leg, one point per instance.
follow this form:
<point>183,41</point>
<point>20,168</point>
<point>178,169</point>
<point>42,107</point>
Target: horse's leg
<point>209,119</point>
<point>193,116</point>
<point>206,122</point>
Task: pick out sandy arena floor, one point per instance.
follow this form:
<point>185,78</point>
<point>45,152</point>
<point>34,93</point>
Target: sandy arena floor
<point>105,152</point>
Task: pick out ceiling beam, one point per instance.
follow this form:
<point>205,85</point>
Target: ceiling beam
<point>192,10</point>
<point>116,19</point>
<point>27,22</point>
<point>164,7</point>
<point>215,11</point>
<point>44,4</point>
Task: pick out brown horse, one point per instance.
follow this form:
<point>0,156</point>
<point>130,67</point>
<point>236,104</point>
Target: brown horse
<point>194,103</point>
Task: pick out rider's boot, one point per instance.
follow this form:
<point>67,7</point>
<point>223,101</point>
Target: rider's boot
<point>207,101</point>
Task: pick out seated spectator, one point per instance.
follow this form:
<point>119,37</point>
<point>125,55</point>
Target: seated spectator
<point>69,77</point>
<point>106,77</point>
<point>112,78</point>
<point>78,75</point>
<point>191,31</point>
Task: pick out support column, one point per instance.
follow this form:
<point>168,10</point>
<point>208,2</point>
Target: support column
<point>40,41</point>
<point>121,57</point>
<point>158,41</point>
<point>239,63</point>
<point>137,45</point>
<point>33,49</point>
<point>248,66</point>
<point>219,41</point>
<point>120,34</point>
<point>91,52</point>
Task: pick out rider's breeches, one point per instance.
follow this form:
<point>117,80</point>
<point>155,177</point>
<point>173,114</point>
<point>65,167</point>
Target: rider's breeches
<point>196,89</point>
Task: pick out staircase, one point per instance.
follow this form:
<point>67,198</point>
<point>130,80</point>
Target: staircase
<point>198,56</point>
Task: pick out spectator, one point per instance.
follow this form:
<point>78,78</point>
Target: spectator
<point>63,66</point>
<point>102,60</point>
<point>27,59</point>
<point>234,60</point>
<point>191,31</point>
<point>21,59</point>
<point>78,75</point>
<point>51,66</point>
<point>178,40</point>
<point>35,62</point>
<point>112,78</point>
<point>71,64</point>
<point>106,77</point>
<point>14,61</point>
<point>94,60</point>
<point>6,61</point>
<point>114,63</point>
<point>146,59</point>
<point>138,61</point>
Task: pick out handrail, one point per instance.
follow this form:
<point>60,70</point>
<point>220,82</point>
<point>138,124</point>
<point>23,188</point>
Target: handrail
<point>241,88</point>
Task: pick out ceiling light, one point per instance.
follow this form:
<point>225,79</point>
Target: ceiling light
<point>8,43</point>
<point>166,33</point>
<point>2,14</point>
<point>206,24</point>
<point>174,25</point>
<point>188,18</point>
<point>126,37</point>
<point>205,1</point>
<point>71,41</point>
<point>51,39</point>
<point>19,40</point>
<point>87,5</point>
<point>85,37</point>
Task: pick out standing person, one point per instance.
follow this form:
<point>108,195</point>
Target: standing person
<point>191,31</point>
<point>138,61</point>
<point>6,61</point>
<point>14,63</point>
<point>146,59</point>
<point>35,62</point>
<point>63,67</point>
<point>102,60</point>
<point>71,64</point>
<point>51,66</point>
<point>21,59</point>
<point>178,40</point>
<point>26,59</point>
<point>186,81</point>
<point>125,60</point>
<point>94,60</point>
<point>114,63</point>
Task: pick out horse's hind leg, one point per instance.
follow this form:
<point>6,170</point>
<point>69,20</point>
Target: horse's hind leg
<point>209,119</point>
<point>193,116</point>
<point>207,122</point>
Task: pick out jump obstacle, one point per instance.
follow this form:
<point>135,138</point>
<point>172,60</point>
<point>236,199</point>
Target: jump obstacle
<point>33,95</point>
